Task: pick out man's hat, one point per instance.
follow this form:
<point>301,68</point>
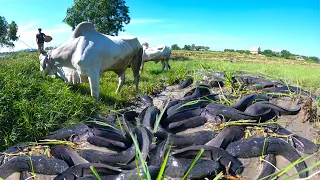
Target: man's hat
<point>39,29</point>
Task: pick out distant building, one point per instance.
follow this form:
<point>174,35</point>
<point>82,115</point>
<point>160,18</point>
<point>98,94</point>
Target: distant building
<point>255,50</point>
<point>300,58</point>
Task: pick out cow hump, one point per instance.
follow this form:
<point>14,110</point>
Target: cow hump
<point>82,28</point>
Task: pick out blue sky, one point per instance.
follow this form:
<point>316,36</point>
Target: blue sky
<point>271,24</point>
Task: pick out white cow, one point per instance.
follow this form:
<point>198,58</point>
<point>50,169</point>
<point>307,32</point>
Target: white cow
<point>88,53</point>
<point>158,53</point>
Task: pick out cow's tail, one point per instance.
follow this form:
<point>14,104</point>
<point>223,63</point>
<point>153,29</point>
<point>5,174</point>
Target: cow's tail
<point>166,53</point>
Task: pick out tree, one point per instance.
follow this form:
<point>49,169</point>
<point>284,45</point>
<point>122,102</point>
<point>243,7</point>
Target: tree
<point>193,47</point>
<point>267,53</point>
<point>315,59</point>
<point>247,52</point>
<point>285,54</point>
<point>228,50</point>
<point>175,47</point>
<point>107,16</point>
<point>187,47</point>
<point>206,48</point>
<point>8,32</point>
<point>197,48</point>
<point>48,48</point>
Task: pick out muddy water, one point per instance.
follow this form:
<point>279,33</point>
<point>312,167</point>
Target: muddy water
<point>253,165</point>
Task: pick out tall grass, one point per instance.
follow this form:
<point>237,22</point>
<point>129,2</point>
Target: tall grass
<point>32,104</point>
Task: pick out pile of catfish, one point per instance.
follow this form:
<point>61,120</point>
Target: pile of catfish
<point>107,144</point>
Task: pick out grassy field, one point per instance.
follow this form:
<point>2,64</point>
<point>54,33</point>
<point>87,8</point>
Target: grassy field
<point>293,71</point>
<point>33,104</point>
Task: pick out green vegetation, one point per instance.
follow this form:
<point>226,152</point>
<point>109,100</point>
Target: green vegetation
<point>33,104</point>
<point>175,47</point>
<point>107,16</point>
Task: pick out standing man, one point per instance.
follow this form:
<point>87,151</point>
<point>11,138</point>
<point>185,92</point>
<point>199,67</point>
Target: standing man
<point>40,39</point>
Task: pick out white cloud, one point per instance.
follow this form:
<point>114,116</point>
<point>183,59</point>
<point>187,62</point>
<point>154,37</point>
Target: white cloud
<point>144,21</point>
<point>59,28</point>
<point>27,26</point>
<point>27,35</point>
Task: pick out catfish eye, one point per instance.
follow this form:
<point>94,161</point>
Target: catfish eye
<point>220,118</point>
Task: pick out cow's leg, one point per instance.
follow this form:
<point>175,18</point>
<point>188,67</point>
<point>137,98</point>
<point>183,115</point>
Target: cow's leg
<point>93,78</point>
<point>167,64</point>
<point>142,66</point>
<point>121,75</point>
<point>136,65</point>
<point>136,79</point>
<point>163,65</point>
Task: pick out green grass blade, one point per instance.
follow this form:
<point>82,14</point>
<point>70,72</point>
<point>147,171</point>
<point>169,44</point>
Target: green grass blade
<point>120,125</point>
<point>95,172</point>
<point>156,124</point>
<point>284,170</point>
<point>193,163</point>
<point>191,103</point>
<point>218,176</point>
<point>103,124</point>
<point>138,152</point>
<point>32,168</point>
<point>305,170</point>
<point>209,100</point>
<point>164,164</point>
<point>137,164</point>
<point>264,147</point>
<point>248,123</point>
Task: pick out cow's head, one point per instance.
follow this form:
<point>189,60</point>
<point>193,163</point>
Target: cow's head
<point>52,68</point>
<point>145,45</point>
<point>45,63</point>
<point>48,65</point>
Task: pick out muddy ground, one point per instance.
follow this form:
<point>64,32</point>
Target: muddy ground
<point>293,123</point>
